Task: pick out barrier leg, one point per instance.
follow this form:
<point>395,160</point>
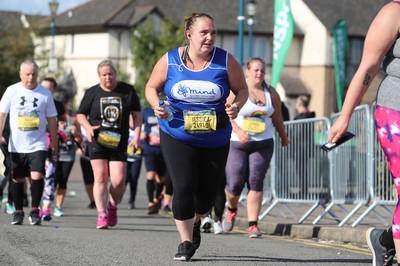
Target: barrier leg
<point>380,218</point>
<point>337,219</point>
<point>290,211</point>
<point>265,213</point>
<point>324,213</point>
<point>362,216</point>
<point>344,221</point>
<point>304,217</point>
<point>389,212</point>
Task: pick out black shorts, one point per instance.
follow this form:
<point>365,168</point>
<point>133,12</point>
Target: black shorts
<point>154,161</point>
<point>96,151</point>
<point>22,164</point>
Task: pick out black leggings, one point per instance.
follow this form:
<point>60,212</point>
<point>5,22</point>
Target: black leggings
<point>87,171</point>
<point>220,201</point>
<point>169,188</point>
<point>63,170</point>
<point>195,173</point>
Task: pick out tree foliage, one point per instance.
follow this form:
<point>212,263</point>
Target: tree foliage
<point>149,43</point>
<point>15,46</point>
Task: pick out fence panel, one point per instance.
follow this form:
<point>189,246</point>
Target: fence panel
<point>382,190</point>
<point>300,172</point>
<point>354,174</point>
<point>349,166</point>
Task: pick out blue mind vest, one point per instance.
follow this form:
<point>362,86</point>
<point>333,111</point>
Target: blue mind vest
<point>196,90</point>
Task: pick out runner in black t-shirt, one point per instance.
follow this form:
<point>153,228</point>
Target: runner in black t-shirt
<point>104,114</point>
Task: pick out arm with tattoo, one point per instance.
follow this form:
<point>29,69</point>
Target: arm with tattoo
<point>367,79</point>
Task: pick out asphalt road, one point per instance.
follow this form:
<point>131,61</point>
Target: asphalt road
<point>140,239</point>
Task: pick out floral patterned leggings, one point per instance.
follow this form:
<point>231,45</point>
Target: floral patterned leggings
<point>387,125</point>
<point>48,190</point>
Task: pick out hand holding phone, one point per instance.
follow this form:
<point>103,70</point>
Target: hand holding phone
<point>330,146</point>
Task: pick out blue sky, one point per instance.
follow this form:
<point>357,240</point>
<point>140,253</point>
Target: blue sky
<point>37,7</point>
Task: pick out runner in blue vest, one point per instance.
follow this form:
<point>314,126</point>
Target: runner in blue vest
<point>196,79</point>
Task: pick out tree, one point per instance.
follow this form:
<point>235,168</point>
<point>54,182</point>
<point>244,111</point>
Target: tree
<point>148,45</point>
<point>16,45</point>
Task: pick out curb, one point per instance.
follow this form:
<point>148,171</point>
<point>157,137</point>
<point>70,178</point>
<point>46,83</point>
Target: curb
<point>346,234</point>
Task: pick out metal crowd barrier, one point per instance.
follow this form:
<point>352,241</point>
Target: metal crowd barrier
<point>382,189</point>
<point>349,167</point>
<point>300,171</point>
<point>354,174</point>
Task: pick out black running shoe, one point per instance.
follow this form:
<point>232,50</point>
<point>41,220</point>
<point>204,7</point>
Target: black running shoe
<point>18,218</point>
<point>381,255</point>
<point>167,210</point>
<point>196,240</point>
<point>92,205</point>
<point>185,251</point>
<point>34,217</point>
<point>153,209</point>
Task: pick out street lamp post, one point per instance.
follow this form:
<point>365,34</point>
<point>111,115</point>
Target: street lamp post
<point>241,19</point>
<point>53,64</point>
<point>251,12</point>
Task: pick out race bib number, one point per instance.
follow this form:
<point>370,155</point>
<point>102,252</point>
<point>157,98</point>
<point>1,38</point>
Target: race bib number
<point>129,151</point>
<point>111,111</point>
<point>132,154</point>
<point>109,139</point>
<point>253,125</point>
<point>28,121</point>
<point>197,122</point>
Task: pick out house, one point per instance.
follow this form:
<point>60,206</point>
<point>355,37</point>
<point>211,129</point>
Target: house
<point>100,29</point>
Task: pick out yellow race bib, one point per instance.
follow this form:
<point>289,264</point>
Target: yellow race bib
<point>129,150</point>
<point>28,123</point>
<point>197,122</point>
<point>253,125</point>
<point>109,139</point>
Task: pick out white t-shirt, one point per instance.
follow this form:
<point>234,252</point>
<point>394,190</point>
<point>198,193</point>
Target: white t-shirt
<point>29,110</point>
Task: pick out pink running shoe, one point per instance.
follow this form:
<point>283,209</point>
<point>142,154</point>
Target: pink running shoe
<point>229,222</point>
<point>254,232</point>
<point>102,222</point>
<point>112,216</point>
<point>45,214</point>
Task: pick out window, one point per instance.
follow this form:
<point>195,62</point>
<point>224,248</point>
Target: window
<point>354,53</point>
